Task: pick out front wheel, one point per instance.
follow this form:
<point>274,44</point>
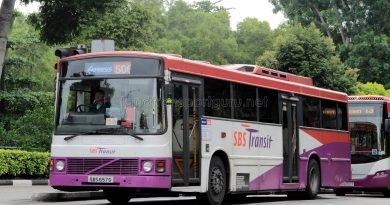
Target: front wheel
<point>313,180</point>
<point>117,197</point>
<point>217,183</point>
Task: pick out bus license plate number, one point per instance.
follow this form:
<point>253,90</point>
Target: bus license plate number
<point>100,179</point>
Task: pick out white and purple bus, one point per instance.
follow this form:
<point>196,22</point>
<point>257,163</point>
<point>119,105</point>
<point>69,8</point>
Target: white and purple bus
<point>369,127</point>
<point>172,125</point>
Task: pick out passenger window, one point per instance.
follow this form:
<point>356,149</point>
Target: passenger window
<point>268,105</point>
<point>328,110</point>
<point>217,98</point>
<point>245,102</point>
<point>342,120</point>
<point>311,112</point>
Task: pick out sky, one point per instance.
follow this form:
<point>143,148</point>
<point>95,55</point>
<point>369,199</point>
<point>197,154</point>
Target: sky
<point>239,10</point>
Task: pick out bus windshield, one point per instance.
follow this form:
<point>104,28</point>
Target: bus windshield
<point>367,137</point>
<point>93,102</point>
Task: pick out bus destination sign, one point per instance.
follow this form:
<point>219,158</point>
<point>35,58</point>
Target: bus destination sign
<point>363,110</point>
<point>107,68</point>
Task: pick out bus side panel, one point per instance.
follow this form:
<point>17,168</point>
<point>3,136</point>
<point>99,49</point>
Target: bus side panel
<point>253,149</point>
<point>333,150</point>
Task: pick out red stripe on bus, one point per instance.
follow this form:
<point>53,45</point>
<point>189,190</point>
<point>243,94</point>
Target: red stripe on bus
<point>253,79</point>
<point>326,137</point>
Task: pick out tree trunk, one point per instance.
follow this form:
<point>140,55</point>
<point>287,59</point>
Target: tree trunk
<point>6,11</point>
<point>324,24</point>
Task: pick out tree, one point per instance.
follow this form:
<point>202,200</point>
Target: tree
<point>129,24</point>
<point>6,11</point>
<point>338,19</point>
<point>79,21</point>
<point>371,89</point>
<point>199,32</point>
<point>253,38</point>
<point>305,51</point>
<point>359,28</point>
<point>370,53</point>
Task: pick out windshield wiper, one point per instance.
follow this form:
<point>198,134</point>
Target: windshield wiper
<point>106,132</point>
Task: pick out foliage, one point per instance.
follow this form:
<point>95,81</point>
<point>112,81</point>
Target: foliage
<point>199,32</point>
<point>22,163</point>
<point>20,101</point>
<point>304,51</point>
<point>253,38</point>
<point>29,62</point>
<point>371,89</point>
<point>370,53</point>
<point>359,28</point>
<point>126,22</point>
<point>129,24</point>
<point>40,122</point>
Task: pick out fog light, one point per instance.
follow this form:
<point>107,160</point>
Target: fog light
<point>147,166</point>
<point>60,165</point>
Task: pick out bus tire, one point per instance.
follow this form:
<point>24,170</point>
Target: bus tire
<point>217,183</point>
<point>313,180</point>
<point>339,192</point>
<point>117,197</point>
<point>386,193</point>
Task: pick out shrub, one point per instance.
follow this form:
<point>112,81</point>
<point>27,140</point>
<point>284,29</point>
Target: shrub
<point>22,163</point>
<point>33,131</point>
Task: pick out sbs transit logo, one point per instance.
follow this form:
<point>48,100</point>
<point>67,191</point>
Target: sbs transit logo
<point>101,150</point>
<point>251,138</point>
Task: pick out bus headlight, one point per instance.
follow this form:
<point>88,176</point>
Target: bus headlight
<point>60,165</point>
<point>147,166</point>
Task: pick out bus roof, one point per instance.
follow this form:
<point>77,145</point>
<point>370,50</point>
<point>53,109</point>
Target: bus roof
<point>232,73</point>
<point>369,98</point>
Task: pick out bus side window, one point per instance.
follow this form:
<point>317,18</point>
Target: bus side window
<point>342,116</point>
<point>217,98</point>
<point>267,103</point>
<point>328,114</point>
<point>311,112</point>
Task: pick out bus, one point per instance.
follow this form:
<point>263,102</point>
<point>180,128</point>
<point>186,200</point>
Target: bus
<point>173,125</point>
<point>369,128</point>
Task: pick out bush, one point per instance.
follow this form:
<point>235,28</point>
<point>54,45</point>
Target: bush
<point>33,131</point>
<point>23,164</point>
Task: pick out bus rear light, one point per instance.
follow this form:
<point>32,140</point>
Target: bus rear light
<point>160,166</point>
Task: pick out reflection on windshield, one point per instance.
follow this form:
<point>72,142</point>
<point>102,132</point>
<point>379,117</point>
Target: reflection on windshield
<point>90,104</point>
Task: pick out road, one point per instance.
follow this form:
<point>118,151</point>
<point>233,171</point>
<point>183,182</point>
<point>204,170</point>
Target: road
<point>22,195</point>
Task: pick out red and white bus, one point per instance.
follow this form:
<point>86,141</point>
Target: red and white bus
<point>369,127</point>
<point>174,125</point>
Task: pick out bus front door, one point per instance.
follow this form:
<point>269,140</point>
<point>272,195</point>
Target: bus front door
<point>185,135</point>
<point>290,139</point>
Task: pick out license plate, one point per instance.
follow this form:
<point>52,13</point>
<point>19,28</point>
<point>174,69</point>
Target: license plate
<point>101,179</point>
<point>347,184</point>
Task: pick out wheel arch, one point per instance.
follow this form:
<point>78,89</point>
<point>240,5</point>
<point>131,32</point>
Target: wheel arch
<point>314,156</point>
<point>225,160</point>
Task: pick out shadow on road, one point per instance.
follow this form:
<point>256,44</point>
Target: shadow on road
<point>192,201</point>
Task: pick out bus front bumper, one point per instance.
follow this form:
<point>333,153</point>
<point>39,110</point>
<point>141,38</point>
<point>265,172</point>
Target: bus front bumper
<point>379,180</point>
<point>114,181</point>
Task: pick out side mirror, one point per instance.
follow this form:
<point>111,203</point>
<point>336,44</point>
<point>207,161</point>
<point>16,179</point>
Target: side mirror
<point>387,125</point>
